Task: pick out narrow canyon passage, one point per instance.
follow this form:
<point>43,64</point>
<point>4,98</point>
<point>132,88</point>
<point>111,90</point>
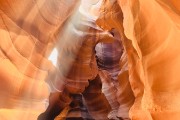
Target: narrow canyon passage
<point>89,60</point>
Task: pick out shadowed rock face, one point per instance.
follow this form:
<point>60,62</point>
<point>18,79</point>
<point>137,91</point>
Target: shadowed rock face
<point>29,31</point>
<point>147,71</point>
<point>152,28</point>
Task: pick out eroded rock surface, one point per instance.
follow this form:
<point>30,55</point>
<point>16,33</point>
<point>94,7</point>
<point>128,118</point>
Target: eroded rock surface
<point>147,81</point>
<point>151,30</point>
<point>26,39</point>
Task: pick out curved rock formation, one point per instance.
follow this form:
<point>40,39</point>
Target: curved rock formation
<point>77,68</point>
<point>26,30</point>
<point>147,69</point>
<point>152,28</point>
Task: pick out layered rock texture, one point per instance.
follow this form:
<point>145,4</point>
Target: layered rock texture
<point>27,29</point>
<point>151,33</point>
<point>116,59</point>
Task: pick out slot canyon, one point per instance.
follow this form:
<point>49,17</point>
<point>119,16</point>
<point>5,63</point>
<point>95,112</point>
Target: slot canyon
<point>89,60</point>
